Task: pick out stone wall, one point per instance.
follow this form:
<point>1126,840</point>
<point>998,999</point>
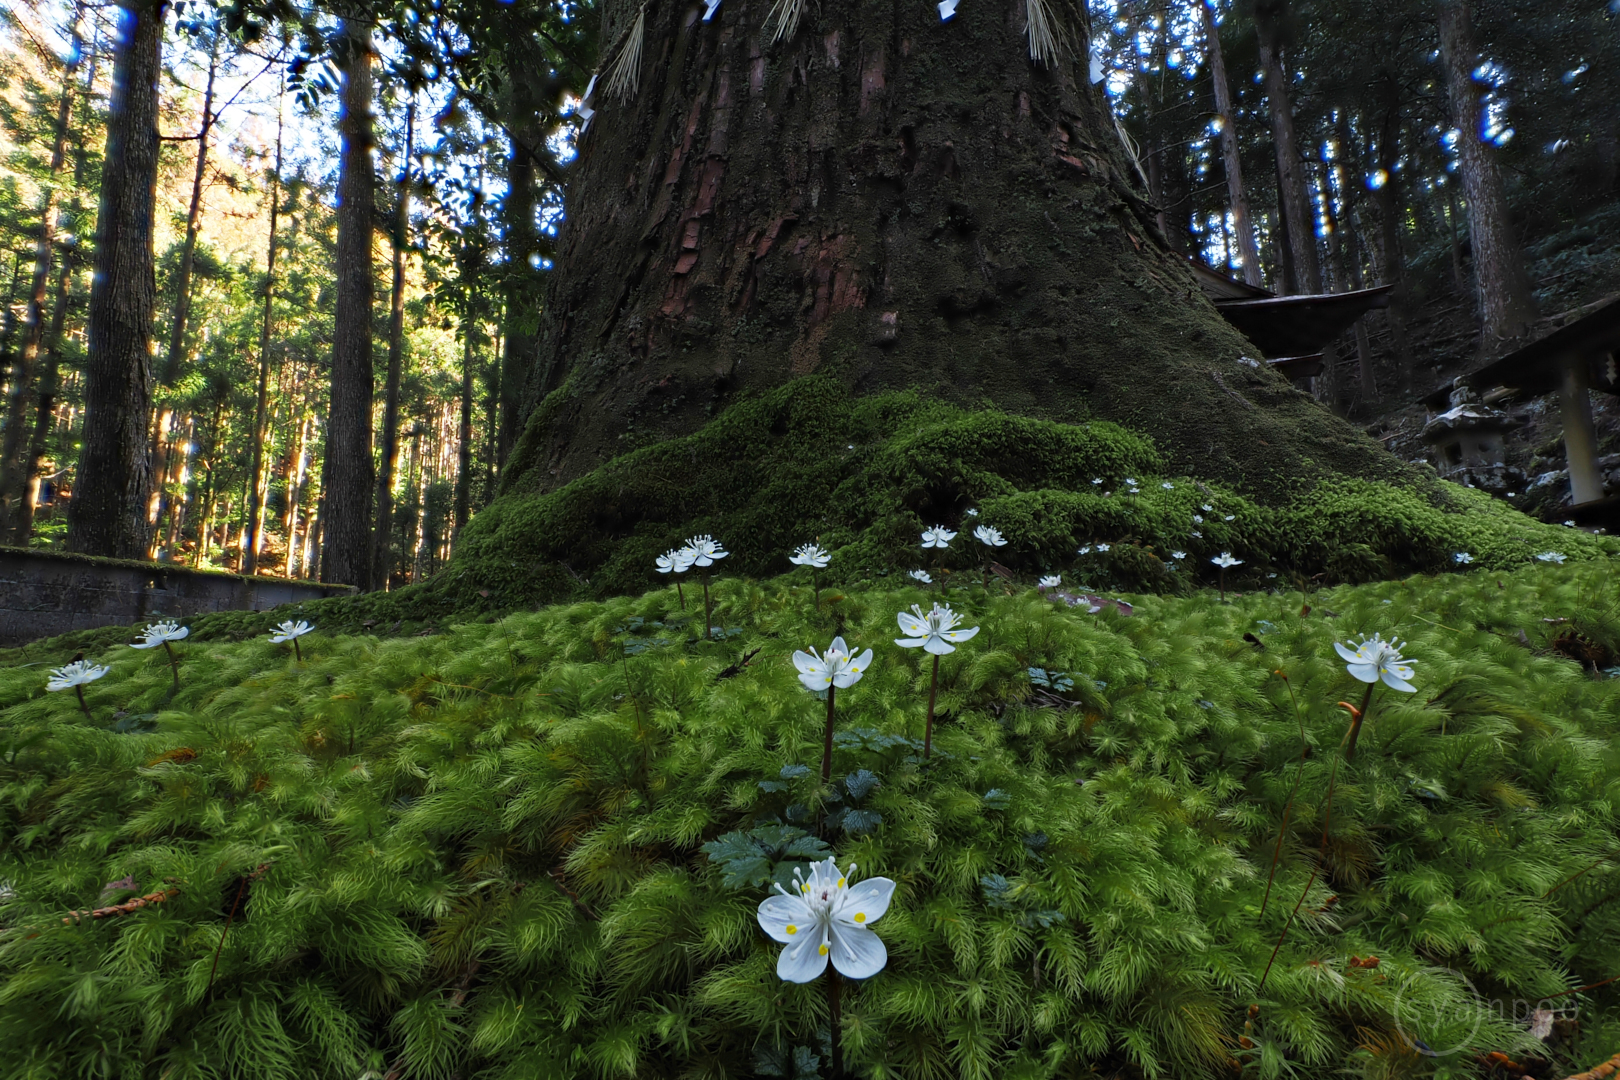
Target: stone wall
<point>43,594</point>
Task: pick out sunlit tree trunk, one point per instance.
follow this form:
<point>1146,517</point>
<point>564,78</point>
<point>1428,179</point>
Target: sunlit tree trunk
<point>261,409</point>
<point>107,514</point>
<point>1506,305</point>
<point>381,532</point>
<point>346,474</point>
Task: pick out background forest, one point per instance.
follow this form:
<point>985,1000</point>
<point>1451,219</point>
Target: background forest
<point>468,113</point>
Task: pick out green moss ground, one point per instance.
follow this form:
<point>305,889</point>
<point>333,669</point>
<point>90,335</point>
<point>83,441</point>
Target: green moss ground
<point>483,851</point>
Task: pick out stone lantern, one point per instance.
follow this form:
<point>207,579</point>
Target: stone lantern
<point>1467,441</point>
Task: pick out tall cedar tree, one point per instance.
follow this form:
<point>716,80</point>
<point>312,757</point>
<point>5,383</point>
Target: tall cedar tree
<point>347,472</point>
<point>895,201</point>
<point>107,514</point>
<point>1249,250</point>
<point>1505,304</point>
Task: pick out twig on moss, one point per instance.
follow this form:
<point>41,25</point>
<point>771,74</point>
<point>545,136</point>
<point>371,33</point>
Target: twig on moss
<point>127,907</point>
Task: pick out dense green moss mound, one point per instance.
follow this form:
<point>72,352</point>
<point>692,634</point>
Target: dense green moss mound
<point>483,853</point>
<point>866,475</point>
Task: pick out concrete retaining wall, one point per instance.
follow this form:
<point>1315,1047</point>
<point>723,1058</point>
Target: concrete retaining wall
<point>43,594</point>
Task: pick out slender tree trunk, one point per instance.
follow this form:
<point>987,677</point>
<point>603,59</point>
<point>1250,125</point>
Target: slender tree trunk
<point>1367,387</point>
<point>1391,214</point>
<point>492,419</point>
<point>1248,250</point>
<point>381,548</point>
<point>188,252</point>
<point>261,409</point>
<point>521,247</point>
<point>1506,305</point>
<point>22,525</point>
<point>1292,193</point>
<point>346,473</point>
<point>107,514</point>
<point>464,447</point>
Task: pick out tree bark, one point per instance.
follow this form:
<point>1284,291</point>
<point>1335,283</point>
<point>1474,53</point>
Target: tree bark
<point>261,408</point>
<point>14,473</point>
<point>464,449</point>
<point>1293,197</point>
<point>382,548</point>
<point>1506,304</point>
<point>893,202</point>
<point>108,513</point>
<point>346,473</point>
<point>1248,250</point>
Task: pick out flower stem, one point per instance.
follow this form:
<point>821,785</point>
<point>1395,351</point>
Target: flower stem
<point>835,1023</point>
<point>174,667</point>
<point>815,588</point>
<point>80,691</point>
<point>680,592</point>
<point>1223,584</point>
<point>299,653</point>
<point>928,725</point>
<point>708,625</point>
<point>826,748</point>
<point>1355,724</point>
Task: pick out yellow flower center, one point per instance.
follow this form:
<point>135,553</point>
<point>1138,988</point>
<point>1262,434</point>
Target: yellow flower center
<point>791,929</point>
<point>860,916</point>
<point>823,948</point>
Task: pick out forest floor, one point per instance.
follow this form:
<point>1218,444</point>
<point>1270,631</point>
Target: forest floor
<point>536,845</point>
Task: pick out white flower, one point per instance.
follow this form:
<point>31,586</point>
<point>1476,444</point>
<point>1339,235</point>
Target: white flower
<point>75,674</point>
<point>933,630</point>
<point>1168,486</point>
<point>1571,524</point>
<point>1051,581</point>
<point>679,560</point>
<point>1198,534</point>
<point>1231,517</point>
<point>1376,658</point>
<point>922,576</point>
<point>1206,508</point>
<point>1084,551</point>
<point>289,630</point>
<point>1552,556</point>
<point>829,919</point>
<point>1102,547</point>
<point>1198,519</point>
<point>705,552</point>
<point>937,537</point>
<point>158,633</point>
<point>972,513</point>
<point>809,555</point>
<point>1098,480</point>
<point>835,667</point>
<point>1512,494</point>
<point>1462,557</point>
<point>1130,481</point>
<point>989,536</point>
<point>1178,554</point>
<point>1225,561</point>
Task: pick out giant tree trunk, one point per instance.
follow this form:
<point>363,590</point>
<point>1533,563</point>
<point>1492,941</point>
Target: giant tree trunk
<point>1506,306</point>
<point>346,474</point>
<point>895,202</point>
<point>107,514</point>
<point>1248,250</point>
<point>1298,215</point>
